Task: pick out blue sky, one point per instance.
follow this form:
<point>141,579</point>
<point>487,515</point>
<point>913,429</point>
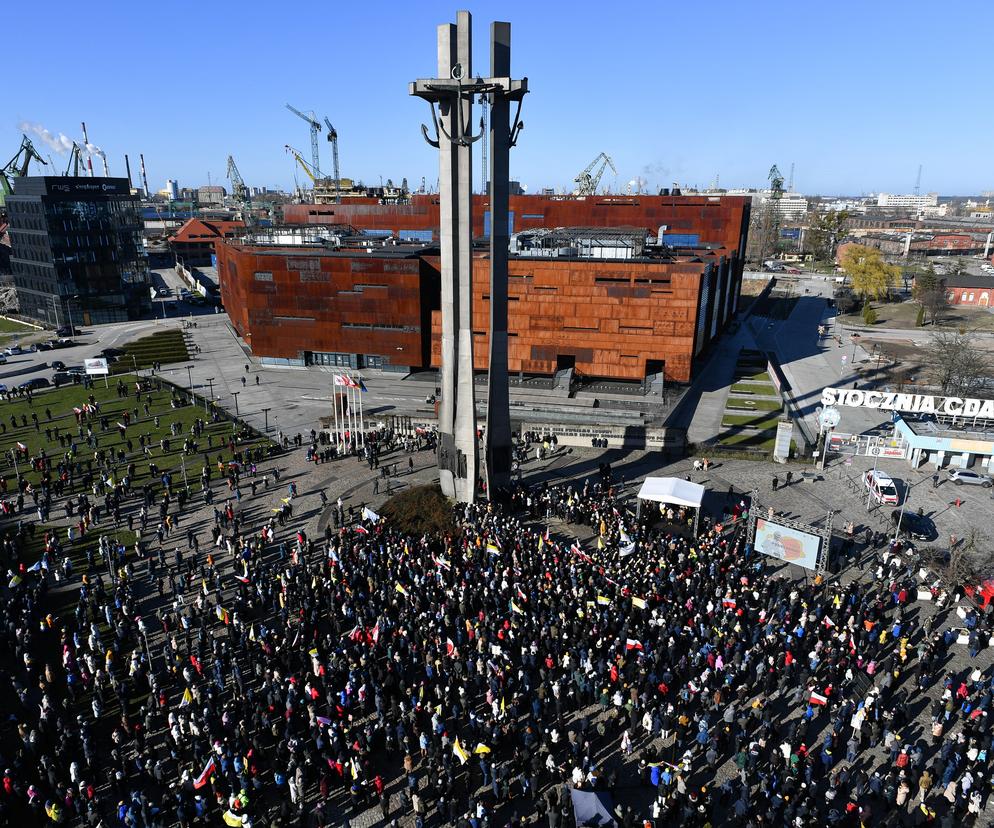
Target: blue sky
<point>855,94</point>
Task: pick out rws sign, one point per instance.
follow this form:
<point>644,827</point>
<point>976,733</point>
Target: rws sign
<point>910,403</point>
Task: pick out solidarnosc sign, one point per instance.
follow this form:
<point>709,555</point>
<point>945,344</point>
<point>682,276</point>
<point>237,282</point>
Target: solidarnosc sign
<point>911,403</point>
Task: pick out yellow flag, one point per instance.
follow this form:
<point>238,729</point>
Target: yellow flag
<point>400,589</point>
<point>638,602</point>
<point>187,698</point>
<point>604,602</point>
<point>460,751</point>
<point>516,608</point>
<point>481,749</point>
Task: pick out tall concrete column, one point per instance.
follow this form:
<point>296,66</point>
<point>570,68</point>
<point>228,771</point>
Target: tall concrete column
<point>448,234</point>
<point>467,452</point>
<point>498,434</point>
<point>453,92</point>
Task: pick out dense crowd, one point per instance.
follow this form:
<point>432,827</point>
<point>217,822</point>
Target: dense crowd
<point>243,670</point>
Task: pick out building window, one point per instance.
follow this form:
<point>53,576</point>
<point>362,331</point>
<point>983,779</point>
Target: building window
<point>963,297</point>
<point>264,276</point>
<point>971,298</point>
<point>336,360</point>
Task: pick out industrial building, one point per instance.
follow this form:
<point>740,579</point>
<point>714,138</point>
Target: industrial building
<point>76,250</point>
<point>642,298</point>
<point>193,243</point>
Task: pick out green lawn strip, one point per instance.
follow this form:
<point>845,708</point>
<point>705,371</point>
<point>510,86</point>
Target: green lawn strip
<point>745,376</point>
<point>752,405</point>
<point>9,326</point>
<point>750,421</point>
<point>746,439</point>
<point>60,403</point>
<point>761,389</point>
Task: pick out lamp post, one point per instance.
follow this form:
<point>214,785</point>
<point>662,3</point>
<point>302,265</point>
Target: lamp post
<point>189,377</point>
<point>235,395</point>
<point>265,412</point>
<point>72,327</point>
<point>210,383</point>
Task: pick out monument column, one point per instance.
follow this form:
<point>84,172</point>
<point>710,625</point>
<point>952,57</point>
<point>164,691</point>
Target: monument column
<point>498,434</point>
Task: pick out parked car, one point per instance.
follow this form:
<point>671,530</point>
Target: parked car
<point>3,359</point>
<point>58,365</point>
<point>970,478</point>
<point>13,350</point>
<point>915,526</point>
<point>35,382</point>
<point>76,369</point>
<point>63,342</point>
<point>46,346</point>
<point>66,330</point>
<point>3,388</point>
<point>63,378</point>
<point>881,487</point>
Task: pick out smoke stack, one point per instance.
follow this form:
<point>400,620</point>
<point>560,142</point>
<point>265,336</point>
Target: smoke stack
<point>89,158</point>
<point>127,167</point>
<point>141,159</point>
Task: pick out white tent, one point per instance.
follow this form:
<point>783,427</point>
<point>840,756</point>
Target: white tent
<point>674,491</point>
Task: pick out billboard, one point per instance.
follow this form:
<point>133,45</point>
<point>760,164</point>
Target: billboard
<point>96,367</point>
<point>786,544</point>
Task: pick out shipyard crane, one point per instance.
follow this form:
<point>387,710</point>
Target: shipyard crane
<point>588,180</point>
<point>315,129</point>
<point>76,160</point>
<point>17,167</point>
<point>238,188</point>
<point>333,140</point>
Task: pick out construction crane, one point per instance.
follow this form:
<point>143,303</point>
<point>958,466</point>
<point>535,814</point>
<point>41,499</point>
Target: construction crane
<point>17,167</point>
<point>315,129</point>
<point>311,174</point>
<point>771,220</point>
<point>333,140</point>
<point>588,180</point>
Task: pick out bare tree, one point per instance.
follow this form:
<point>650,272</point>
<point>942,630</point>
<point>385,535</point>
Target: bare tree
<point>970,560</point>
<point>956,365</point>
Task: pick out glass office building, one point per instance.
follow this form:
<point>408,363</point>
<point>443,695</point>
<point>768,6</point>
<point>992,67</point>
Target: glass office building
<point>76,250</point>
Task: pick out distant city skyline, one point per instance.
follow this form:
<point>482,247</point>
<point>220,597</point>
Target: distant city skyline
<point>855,95</point>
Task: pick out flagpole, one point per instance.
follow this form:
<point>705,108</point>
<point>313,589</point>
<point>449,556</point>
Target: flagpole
<point>362,422</point>
<point>334,407</point>
<point>348,391</point>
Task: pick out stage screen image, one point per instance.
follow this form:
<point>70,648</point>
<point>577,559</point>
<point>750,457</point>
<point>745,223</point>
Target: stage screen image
<point>791,545</point>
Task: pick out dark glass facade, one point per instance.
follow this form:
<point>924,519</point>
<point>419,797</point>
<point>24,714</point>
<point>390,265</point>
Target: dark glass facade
<point>76,250</point>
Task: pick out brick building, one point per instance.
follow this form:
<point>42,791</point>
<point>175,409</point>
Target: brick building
<point>193,242</point>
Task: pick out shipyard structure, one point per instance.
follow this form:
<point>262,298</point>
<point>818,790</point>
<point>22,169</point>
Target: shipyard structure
<point>613,287</point>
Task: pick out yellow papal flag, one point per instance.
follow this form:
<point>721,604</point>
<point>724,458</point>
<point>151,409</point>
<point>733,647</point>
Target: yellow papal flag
<point>187,698</point>
<point>604,602</point>
<point>638,602</point>
<point>460,751</point>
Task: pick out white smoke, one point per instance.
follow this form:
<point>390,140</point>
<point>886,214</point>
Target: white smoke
<point>57,143</point>
<point>637,184</point>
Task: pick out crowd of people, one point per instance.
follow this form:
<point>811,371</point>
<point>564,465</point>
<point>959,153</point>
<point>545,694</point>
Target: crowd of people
<point>263,671</point>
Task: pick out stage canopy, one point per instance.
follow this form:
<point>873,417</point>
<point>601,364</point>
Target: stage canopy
<point>592,809</point>
<point>672,490</point>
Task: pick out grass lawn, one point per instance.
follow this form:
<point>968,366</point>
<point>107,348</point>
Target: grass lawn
<point>761,388</point>
<point>59,404</point>
<point>752,405</point>
<point>759,376</point>
<point>164,346</point>
<point>904,314</point>
<point>758,421</point>
<point>747,440</point>
<point>9,326</point>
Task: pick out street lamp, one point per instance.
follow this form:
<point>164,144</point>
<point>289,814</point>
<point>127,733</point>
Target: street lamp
<point>72,327</point>
<point>235,395</point>
<point>189,376</point>
<point>210,382</point>
<point>265,411</point>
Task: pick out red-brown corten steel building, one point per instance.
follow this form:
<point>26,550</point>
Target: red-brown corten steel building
<point>613,318</point>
